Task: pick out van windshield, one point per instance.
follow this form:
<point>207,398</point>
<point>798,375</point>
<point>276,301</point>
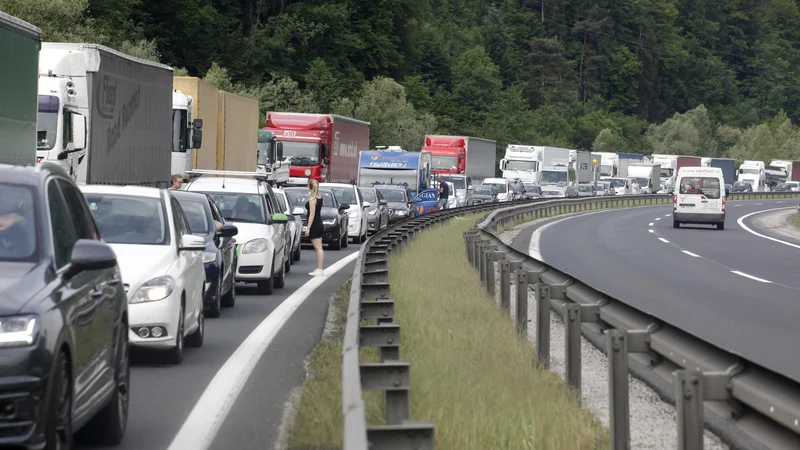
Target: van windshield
<point>700,186</point>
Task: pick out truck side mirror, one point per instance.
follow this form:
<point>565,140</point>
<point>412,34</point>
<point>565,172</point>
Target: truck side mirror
<point>198,124</point>
<point>326,161</point>
<point>503,164</point>
<point>279,151</point>
<point>78,131</point>
<point>327,152</point>
<point>197,138</point>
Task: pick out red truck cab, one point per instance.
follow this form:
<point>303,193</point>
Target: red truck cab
<point>449,154</point>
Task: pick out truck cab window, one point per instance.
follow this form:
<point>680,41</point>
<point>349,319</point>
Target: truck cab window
<point>180,132</point>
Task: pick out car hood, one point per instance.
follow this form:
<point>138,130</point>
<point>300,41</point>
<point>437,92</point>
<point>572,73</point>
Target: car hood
<point>19,283</point>
<point>250,231</point>
<point>160,259</point>
<point>327,212</point>
<point>397,205</point>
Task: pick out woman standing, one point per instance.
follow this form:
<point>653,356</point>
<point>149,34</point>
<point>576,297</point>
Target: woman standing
<point>314,230</point>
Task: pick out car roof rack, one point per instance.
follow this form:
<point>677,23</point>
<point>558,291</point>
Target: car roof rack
<point>229,173</point>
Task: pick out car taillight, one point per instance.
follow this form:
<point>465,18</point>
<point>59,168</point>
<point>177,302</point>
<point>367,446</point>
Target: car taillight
<point>675,203</point>
<point>723,204</point>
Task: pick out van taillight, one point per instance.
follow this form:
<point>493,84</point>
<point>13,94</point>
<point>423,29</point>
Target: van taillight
<point>675,203</point>
<point>723,204</point>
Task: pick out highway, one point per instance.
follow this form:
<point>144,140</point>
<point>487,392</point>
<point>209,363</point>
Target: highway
<point>737,288</point>
<point>163,397</point>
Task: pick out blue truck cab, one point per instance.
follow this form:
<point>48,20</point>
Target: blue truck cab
<point>397,167</point>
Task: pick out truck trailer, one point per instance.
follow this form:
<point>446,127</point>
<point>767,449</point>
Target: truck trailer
<point>465,155</point>
<point>237,133</point>
<point>323,147</point>
<point>116,110</point>
<point>728,166</point>
<point>19,56</point>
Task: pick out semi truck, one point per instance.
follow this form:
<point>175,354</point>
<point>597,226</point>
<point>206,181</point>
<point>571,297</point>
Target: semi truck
<point>687,161</point>
<point>19,56</point>
<point>323,147</point>
<point>413,170</point>
<point>608,163</point>
<point>465,155</point>
<point>557,176</point>
<point>753,172</point>
<point>522,162</point>
<point>106,117</point>
<point>202,108</point>
<point>584,169</point>
<point>270,159</point>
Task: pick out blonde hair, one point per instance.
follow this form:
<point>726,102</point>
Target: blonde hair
<point>313,185</point>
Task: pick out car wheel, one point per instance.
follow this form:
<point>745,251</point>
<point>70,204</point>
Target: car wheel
<point>297,253</point>
<point>287,265</point>
<point>58,429</point>
<point>196,338</point>
<point>175,354</point>
<point>267,287</point>
<point>214,309</point>
<point>229,299</point>
<point>676,224</point>
<point>721,226</point>
<point>337,244</point>
<point>280,280</point>
<point>345,241</point>
<point>108,426</point>
<point>363,237</point>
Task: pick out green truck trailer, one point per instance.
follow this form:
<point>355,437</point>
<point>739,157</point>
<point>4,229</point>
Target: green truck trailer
<point>19,72</point>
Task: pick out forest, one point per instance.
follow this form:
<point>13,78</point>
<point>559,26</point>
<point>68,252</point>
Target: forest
<point>692,77</point>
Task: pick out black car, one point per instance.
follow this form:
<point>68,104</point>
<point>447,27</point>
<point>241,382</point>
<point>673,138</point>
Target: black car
<point>219,258</point>
<point>63,316</point>
<point>533,191</point>
<point>334,216</point>
<point>399,201</point>
<point>742,186</point>
<point>782,187</point>
<point>484,194</point>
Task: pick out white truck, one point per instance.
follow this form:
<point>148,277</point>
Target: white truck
<point>608,163</point>
<point>648,176</point>
<point>557,176</point>
<point>521,161</point>
<point>582,163</point>
<point>187,134</point>
<point>669,164</point>
<point>753,172</point>
<point>106,117</point>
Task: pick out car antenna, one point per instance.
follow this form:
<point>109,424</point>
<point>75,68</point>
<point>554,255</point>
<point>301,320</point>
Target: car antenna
<point>223,182</point>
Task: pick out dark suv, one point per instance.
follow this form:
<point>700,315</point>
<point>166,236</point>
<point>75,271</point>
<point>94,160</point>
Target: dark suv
<point>63,316</point>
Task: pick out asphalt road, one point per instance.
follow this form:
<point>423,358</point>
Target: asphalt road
<point>732,288</point>
<point>162,396</point>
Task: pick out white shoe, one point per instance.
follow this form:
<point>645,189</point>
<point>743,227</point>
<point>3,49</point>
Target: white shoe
<point>317,273</point>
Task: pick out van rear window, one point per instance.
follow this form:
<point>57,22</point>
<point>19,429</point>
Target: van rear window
<point>707,186</point>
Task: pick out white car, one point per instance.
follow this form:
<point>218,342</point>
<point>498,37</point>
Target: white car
<point>295,226</point>
<point>503,187</point>
<point>161,264</point>
<point>349,194</point>
<point>263,242</point>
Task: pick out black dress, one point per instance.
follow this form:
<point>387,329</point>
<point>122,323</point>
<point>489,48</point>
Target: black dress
<point>315,230</point>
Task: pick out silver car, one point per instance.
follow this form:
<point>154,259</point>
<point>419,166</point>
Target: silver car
<point>586,190</point>
<point>378,210</point>
<point>295,223</point>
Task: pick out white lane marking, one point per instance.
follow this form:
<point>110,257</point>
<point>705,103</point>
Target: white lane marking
<point>663,240</point>
<point>658,218</point>
<point>536,238</point>
<point>759,204</point>
<point>736,205</point>
<point>650,224</point>
<point>746,228</point>
<point>751,277</point>
<point>779,202</point>
<point>651,231</point>
<point>694,255</point>
<point>208,414</point>
<point>668,215</point>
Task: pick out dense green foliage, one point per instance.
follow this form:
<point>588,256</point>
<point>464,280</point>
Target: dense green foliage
<point>716,76</point>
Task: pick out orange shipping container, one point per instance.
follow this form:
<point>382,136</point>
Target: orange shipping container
<point>206,107</point>
<point>237,133</point>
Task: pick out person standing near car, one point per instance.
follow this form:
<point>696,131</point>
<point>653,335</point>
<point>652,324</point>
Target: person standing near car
<point>444,193</point>
<point>175,182</point>
<point>314,230</point>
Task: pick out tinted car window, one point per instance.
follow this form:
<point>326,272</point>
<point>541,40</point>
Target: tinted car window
<point>64,236</point>
<point>196,216</point>
<point>393,195</point>
<point>240,207</point>
<point>369,195</point>
<point>81,217</point>
<point>17,223</point>
<point>344,195</point>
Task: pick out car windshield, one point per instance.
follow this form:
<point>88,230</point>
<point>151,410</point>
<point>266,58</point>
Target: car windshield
<point>299,197</point>
<point>248,208</point>
<point>585,188</point>
<point>617,182</point>
<point>393,195</point>
<point>301,153</point>
<point>127,219</point>
<point>369,195</point>
<point>707,186</point>
<point>444,162</point>
<point>497,187</point>
<point>458,182</point>
<point>47,122</point>
<point>553,177</point>
<point>344,195</point>
<point>17,223</point>
<point>483,190</point>
<point>195,211</point>
<point>741,184</point>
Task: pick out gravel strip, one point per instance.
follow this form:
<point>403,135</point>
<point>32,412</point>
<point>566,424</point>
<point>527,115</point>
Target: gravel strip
<point>653,423</point>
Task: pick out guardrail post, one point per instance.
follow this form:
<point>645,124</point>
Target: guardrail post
<point>543,324</point>
<point>482,262</point>
<point>617,347</point>
<point>505,286</point>
<point>689,406</point>
<point>490,278</point>
<point>572,338</point>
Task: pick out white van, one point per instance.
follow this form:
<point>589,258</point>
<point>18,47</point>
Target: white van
<point>502,186</point>
<point>699,197</point>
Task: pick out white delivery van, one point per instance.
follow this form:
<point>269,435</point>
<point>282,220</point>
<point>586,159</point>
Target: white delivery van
<point>699,197</point>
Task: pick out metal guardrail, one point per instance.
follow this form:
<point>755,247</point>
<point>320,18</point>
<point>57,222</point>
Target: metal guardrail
<point>370,300</point>
<point>747,405</point>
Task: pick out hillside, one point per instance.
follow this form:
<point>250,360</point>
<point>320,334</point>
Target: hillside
<point>671,76</point>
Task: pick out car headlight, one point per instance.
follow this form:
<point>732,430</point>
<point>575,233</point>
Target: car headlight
<point>18,331</point>
<point>400,212</point>
<point>209,257</point>
<point>255,246</point>
<point>153,290</point>
<point>329,221</point>
<point>371,213</point>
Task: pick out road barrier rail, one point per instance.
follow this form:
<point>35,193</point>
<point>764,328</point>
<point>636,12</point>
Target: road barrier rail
<point>749,406</point>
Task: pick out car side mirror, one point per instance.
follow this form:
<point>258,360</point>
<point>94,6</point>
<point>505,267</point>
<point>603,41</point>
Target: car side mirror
<point>383,202</point>
<point>343,208</point>
<point>228,231</point>
<point>298,211</point>
<point>279,218</point>
<point>190,242</point>
<point>88,254</point>
<point>367,204</point>
<point>78,131</point>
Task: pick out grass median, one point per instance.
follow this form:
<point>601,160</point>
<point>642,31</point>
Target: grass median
<point>796,220</point>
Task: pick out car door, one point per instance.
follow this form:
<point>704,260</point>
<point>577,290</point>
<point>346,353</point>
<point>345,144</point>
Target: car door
<point>383,210</point>
<point>279,229</point>
<point>78,302</point>
<point>189,265</point>
<point>426,201</point>
<point>226,246</point>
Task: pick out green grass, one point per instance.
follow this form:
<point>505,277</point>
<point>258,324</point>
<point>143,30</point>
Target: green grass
<point>796,220</point>
<point>470,373</point>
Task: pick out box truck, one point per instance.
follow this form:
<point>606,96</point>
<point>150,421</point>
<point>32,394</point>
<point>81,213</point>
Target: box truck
<point>465,155</point>
<point>19,57</point>
<point>106,117</point>
<point>728,167</point>
<point>323,147</point>
<point>237,133</point>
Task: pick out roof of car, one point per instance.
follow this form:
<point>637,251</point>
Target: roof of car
<point>336,185</point>
<point>231,184</point>
<point>136,191</point>
<point>198,196</point>
<point>29,173</point>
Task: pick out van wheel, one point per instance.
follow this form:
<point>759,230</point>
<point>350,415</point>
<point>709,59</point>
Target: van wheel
<point>676,224</point>
<point>721,226</point>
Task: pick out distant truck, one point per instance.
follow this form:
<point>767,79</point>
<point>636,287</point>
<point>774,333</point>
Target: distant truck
<point>412,170</point>
<point>237,133</point>
<point>521,161</point>
<point>687,161</point>
<point>19,57</point>
<point>584,169</point>
<point>728,167</point>
<point>753,172</point>
<point>128,121</point>
<point>647,175</point>
<point>626,159</point>
<point>608,163</point>
<point>465,155</point>
<point>557,176</point>
<point>323,147</point>
<point>199,121</point>
<point>270,159</point>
